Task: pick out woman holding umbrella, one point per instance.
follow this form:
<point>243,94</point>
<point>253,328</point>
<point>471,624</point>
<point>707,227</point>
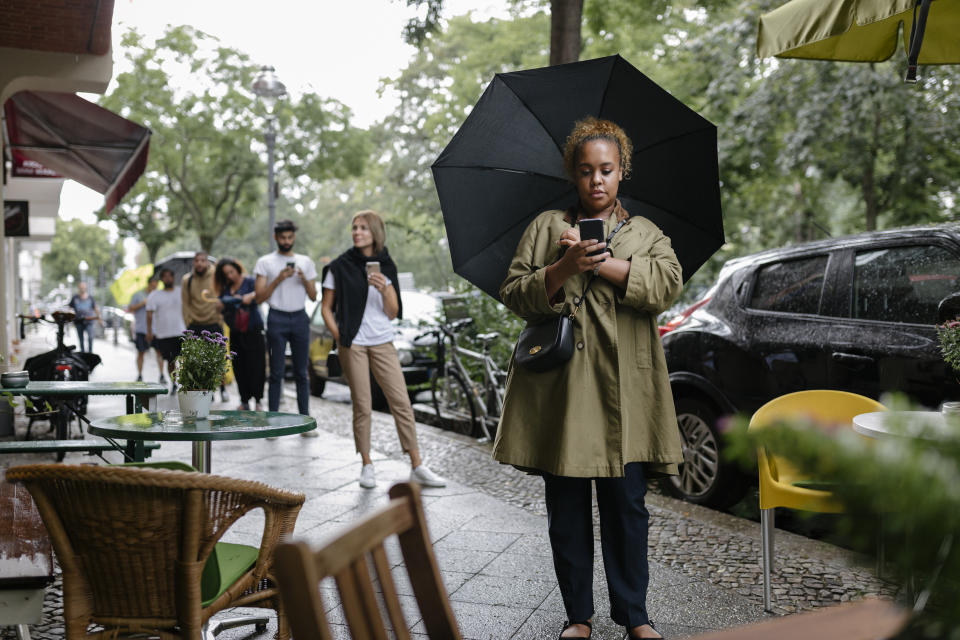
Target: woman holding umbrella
<point>605,416</point>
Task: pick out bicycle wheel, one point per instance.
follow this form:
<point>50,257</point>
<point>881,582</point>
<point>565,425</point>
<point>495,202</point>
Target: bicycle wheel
<point>452,402</point>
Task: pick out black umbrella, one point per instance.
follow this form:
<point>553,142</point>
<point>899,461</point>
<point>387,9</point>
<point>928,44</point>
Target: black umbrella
<point>505,164</point>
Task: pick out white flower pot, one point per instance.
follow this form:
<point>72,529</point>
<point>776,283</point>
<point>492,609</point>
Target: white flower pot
<point>195,404</point>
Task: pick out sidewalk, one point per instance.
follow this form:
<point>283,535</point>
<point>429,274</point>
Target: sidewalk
<point>489,531</point>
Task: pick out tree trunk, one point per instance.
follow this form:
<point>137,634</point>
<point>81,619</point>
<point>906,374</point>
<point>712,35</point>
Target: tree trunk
<point>565,17</point>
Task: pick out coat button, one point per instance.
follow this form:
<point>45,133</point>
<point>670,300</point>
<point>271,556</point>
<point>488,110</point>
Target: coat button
<point>576,300</point>
<point>580,345</point>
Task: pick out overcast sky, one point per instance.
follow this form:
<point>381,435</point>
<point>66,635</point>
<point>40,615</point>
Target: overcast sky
<point>337,49</point>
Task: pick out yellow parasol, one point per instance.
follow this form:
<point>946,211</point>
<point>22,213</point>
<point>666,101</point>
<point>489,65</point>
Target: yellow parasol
<point>129,282</point>
<point>863,31</point>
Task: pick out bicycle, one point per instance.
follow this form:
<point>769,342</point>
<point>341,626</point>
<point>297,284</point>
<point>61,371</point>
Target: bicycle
<point>61,363</point>
<point>473,408</point>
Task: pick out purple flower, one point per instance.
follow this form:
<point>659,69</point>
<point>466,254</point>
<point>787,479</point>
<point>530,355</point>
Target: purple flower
<point>205,333</point>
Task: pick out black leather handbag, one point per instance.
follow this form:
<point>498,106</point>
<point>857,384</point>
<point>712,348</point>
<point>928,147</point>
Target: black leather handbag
<point>549,344</point>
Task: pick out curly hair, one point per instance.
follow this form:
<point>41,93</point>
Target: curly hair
<point>220,282</point>
<point>591,128</point>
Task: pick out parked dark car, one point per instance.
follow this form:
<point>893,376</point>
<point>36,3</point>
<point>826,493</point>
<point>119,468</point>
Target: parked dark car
<point>856,313</point>
<point>419,309</point>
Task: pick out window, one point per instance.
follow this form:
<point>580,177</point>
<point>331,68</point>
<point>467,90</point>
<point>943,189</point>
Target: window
<point>790,287</point>
<point>903,284</point>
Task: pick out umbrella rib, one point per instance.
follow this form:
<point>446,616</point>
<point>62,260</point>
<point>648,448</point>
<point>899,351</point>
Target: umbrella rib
<point>532,113</point>
<point>504,169</point>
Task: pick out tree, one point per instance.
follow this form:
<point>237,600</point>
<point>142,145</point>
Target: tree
<point>204,174</point>
<point>75,241</point>
<point>565,19</point>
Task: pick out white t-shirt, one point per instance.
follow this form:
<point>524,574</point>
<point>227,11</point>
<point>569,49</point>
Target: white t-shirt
<point>167,308</point>
<point>290,295</point>
<point>375,327</point>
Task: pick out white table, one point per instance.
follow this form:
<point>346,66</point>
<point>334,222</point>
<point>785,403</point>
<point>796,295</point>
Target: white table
<point>905,424</point>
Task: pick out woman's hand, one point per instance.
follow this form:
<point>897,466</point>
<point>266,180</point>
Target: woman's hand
<point>569,237</point>
<point>378,280</point>
<point>249,297</point>
<point>575,260</point>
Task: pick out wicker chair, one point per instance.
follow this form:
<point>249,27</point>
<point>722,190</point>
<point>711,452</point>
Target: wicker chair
<point>347,557</point>
<point>133,545</point>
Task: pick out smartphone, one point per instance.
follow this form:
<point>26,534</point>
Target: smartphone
<point>292,264</point>
<point>373,267</point>
<point>591,229</point>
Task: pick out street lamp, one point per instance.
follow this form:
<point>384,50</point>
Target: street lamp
<point>269,89</point>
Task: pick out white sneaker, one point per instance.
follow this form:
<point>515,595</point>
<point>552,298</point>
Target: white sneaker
<point>424,476</point>
<point>368,479</point>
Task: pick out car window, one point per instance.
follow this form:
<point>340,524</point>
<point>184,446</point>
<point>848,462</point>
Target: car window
<point>790,287</point>
<point>903,284</point>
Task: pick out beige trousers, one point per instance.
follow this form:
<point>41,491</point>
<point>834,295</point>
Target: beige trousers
<point>358,362</point>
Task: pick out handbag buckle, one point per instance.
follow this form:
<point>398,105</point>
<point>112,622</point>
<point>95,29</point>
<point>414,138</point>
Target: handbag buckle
<point>535,350</point>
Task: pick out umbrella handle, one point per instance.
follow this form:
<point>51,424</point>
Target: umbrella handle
<point>916,39</point>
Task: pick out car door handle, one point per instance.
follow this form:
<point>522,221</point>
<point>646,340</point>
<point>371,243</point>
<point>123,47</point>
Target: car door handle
<point>852,360</point>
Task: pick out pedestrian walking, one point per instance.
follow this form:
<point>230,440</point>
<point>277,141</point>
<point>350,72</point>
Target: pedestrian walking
<point>285,280</point>
<point>86,313</point>
<point>201,313</point>
<point>237,294</point>
<point>165,320</point>
<point>138,307</point>
<point>606,415</point>
<point>361,296</point>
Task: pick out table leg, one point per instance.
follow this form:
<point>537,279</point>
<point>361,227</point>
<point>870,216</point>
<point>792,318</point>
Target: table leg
<point>130,408</point>
<point>201,456</point>
<point>135,451</point>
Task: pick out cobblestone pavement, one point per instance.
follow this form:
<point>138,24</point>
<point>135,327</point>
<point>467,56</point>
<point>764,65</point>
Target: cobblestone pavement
<point>707,546</point>
<point>702,543</point>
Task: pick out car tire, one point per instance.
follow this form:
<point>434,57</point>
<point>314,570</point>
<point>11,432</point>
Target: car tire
<point>453,403</point>
<point>317,385</point>
<point>705,478</point>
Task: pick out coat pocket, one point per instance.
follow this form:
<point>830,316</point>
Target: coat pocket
<point>643,339</point>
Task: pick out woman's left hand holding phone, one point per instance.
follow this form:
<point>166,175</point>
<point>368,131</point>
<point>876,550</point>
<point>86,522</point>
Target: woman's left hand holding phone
<point>378,280</point>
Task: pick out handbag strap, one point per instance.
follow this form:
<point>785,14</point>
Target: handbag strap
<point>583,294</point>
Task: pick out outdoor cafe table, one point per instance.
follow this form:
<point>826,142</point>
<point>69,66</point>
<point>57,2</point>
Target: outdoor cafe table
<point>140,396</point>
<point>909,424</point>
<point>221,425</point>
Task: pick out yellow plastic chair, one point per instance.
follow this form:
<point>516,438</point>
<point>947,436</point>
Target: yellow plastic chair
<point>781,484</point>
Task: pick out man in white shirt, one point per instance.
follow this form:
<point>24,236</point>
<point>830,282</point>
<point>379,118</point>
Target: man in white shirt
<point>285,279</point>
<point>165,319</point>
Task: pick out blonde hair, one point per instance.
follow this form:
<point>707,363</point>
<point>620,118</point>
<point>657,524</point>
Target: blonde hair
<point>591,128</point>
<point>377,228</point>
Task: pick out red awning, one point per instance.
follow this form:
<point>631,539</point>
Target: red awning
<point>77,139</point>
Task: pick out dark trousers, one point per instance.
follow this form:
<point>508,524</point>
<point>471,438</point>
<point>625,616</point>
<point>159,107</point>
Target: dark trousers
<point>292,327</point>
<point>248,364</point>
<point>624,521</point>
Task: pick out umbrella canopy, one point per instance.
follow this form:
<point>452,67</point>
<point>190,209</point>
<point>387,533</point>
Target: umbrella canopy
<point>505,164</point>
<point>862,30</point>
<point>129,282</point>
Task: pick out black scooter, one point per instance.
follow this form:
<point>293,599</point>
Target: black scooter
<point>62,363</point>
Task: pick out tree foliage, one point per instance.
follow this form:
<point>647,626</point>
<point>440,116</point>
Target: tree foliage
<point>75,241</point>
<point>205,171</point>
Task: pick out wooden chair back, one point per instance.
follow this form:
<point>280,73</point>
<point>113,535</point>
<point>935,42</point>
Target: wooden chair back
<point>354,559</point>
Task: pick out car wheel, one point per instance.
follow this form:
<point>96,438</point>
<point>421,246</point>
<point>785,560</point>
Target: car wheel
<point>317,385</point>
<point>704,478</point>
<point>452,403</point>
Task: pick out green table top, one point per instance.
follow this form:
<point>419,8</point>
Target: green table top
<point>86,388</point>
<point>223,425</point>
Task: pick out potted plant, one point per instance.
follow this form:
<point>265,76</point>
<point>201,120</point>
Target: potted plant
<point>949,335</point>
<point>199,370</point>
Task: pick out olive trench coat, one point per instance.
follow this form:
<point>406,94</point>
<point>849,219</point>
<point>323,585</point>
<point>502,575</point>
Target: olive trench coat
<point>611,403</point>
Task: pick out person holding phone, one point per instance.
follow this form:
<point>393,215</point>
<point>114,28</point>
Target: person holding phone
<point>606,416</point>
<point>361,296</point>
<point>285,280</point>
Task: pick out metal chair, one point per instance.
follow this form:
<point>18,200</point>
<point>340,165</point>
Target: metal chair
<point>348,559</point>
<point>781,484</point>
<point>140,551</point>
